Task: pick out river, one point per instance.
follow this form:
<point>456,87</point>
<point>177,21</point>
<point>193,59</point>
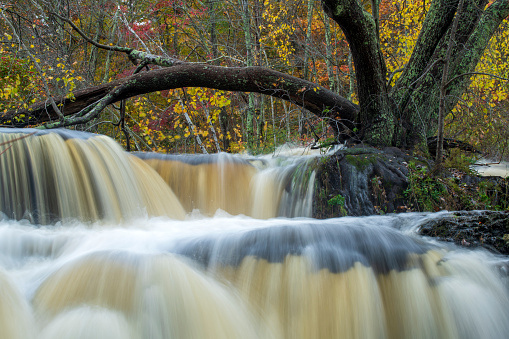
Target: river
<point>98,243</point>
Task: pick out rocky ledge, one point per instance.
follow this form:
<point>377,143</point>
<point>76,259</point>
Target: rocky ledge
<point>472,229</point>
<point>365,181</point>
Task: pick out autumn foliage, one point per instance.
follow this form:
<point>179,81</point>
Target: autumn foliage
<point>41,57</point>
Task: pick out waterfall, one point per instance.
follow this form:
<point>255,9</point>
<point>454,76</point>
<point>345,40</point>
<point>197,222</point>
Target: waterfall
<point>97,243</point>
<point>54,176</point>
<point>258,187</point>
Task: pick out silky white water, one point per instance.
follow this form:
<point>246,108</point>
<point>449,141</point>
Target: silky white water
<point>97,243</point>
<point>490,168</point>
<point>232,277</point>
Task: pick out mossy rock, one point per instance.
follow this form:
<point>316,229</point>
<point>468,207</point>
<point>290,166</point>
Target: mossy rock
<point>374,181</point>
<point>362,161</point>
<point>354,174</point>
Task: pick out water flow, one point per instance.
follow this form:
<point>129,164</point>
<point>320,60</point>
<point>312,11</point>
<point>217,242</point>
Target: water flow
<point>63,174</point>
<point>262,187</point>
<point>238,277</point>
<point>132,276</point>
<point>53,176</point>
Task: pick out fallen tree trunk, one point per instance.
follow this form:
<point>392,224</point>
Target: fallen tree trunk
<point>342,114</point>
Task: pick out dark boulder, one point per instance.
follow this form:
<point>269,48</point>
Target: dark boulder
<point>472,229</point>
<point>362,181</point>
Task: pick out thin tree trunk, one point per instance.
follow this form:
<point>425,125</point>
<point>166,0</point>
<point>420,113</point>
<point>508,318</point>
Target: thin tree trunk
<point>211,6</point>
<point>328,54</point>
<point>351,77</point>
<point>192,128</point>
<point>211,126</point>
<point>246,26</point>
<point>307,43</point>
<point>443,89</point>
<point>273,121</point>
<point>307,49</point>
<point>109,53</point>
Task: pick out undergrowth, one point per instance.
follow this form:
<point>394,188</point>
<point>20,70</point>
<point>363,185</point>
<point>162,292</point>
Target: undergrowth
<point>429,192</point>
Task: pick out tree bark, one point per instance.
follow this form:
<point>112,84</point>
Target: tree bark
<point>359,26</point>
<point>419,105</point>
<point>319,100</point>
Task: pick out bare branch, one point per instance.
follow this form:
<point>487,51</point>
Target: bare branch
<point>91,41</point>
<point>10,142</point>
<point>89,112</point>
<point>475,73</point>
<point>16,139</point>
<point>391,76</point>
<point>132,54</point>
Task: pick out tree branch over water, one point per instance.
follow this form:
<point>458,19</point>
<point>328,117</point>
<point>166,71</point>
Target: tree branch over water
<point>88,103</point>
<point>316,99</point>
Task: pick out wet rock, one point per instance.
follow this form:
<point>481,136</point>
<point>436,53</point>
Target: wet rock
<point>472,229</point>
<point>365,181</point>
<point>370,181</point>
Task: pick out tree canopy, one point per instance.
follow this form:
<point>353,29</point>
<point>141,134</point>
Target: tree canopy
<point>184,76</point>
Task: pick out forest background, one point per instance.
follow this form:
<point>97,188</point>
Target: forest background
<point>42,57</point>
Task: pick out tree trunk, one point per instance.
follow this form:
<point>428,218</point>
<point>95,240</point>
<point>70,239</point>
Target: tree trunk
<point>359,26</point>
<point>443,85</point>
<point>409,112</point>
<point>318,100</point>
<point>417,91</point>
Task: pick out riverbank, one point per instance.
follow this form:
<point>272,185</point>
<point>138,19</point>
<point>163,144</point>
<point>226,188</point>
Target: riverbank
<point>368,181</point>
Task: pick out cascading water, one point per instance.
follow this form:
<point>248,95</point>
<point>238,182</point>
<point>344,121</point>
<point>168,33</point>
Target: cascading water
<point>257,187</point>
<point>97,243</point>
<point>55,176</point>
